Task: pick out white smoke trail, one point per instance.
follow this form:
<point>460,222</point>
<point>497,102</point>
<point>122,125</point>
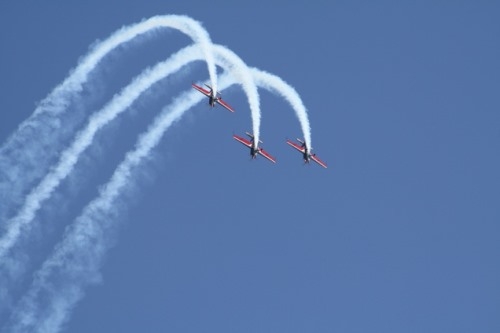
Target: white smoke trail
<point>47,306</point>
<point>251,78</point>
<point>276,85</point>
<point>20,225</point>
<point>80,253</point>
<point>70,156</point>
<point>84,138</point>
<point>185,24</point>
<point>229,60</point>
<point>25,154</point>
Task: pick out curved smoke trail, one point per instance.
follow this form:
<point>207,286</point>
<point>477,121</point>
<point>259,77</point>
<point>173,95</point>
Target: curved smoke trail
<point>253,77</point>
<point>232,62</point>
<point>277,86</point>
<point>46,306</point>
<point>119,103</point>
<point>182,23</point>
<point>21,224</point>
<point>84,138</point>
<point>27,151</point>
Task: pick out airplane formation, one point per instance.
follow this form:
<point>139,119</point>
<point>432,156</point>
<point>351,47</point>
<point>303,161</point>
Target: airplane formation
<point>215,97</point>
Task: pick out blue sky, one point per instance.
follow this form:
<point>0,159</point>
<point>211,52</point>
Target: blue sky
<point>400,234</point>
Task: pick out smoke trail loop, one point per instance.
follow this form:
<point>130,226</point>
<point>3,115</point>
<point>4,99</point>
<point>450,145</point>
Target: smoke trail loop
<point>278,86</point>
<point>26,153</point>
<point>77,259</point>
<point>85,240</point>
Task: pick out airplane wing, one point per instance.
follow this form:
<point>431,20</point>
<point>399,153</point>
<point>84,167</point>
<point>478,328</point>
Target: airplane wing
<point>296,146</point>
<point>224,104</point>
<point>249,144</point>
<point>266,155</point>
<point>317,160</point>
<point>242,140</point>
<point>200,89</point>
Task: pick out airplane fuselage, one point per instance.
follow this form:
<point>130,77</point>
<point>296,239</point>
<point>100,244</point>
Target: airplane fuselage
<point>254,148</point>
<point>213,97</point>
<point>211,101</point>
<point>306,156</point>
<point>254,151</point>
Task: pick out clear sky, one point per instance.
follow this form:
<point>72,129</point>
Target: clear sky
<point>400,234</point>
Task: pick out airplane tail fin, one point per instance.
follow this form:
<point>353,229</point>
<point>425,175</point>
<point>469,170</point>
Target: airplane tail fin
<point>303,143</point>
<point>251,136</point>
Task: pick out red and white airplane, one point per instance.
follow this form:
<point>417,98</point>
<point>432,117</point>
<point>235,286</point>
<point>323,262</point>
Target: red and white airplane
<point>306,155</point>
<point>254,148</point>
<point>213,97</point>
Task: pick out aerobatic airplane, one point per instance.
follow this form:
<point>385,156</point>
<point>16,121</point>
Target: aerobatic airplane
<point>213,97</point>
<point>254,148</point>
<point>306,155</point>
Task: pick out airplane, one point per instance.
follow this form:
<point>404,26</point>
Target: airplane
<point>307,156</point>
<point>254,148</point>
<point>213,97</point>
